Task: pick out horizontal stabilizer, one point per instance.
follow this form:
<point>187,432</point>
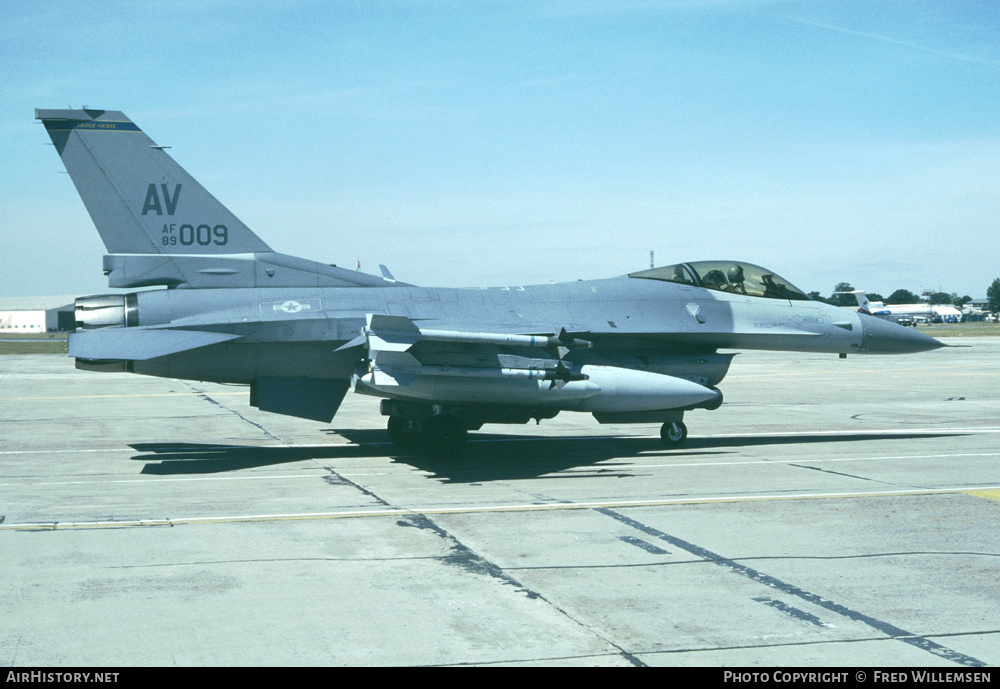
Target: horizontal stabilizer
<point>139,344</point>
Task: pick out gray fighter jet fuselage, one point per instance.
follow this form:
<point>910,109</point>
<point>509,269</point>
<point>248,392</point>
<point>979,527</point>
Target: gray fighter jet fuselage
<point>639,348</point>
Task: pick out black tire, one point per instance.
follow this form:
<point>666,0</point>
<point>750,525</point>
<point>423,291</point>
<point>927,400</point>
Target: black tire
<point>443,437</point>
<point>402,432</point>
<point>673,433</point>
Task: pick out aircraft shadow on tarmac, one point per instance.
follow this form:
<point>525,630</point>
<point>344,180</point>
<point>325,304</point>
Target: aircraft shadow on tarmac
<point>487,457</point>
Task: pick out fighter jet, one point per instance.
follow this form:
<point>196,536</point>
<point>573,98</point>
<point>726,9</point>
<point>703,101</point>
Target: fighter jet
<point>638,348</point>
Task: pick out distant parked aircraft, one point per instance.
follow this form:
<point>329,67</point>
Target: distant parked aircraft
<point>949,314</point>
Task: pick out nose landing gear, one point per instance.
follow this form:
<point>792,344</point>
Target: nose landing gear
<point>673,433</point>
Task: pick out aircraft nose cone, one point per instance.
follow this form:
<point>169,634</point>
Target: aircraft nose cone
<point>885,337</point>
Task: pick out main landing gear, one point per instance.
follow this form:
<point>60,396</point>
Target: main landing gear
<point>444,435</point>
<point>440,436</point>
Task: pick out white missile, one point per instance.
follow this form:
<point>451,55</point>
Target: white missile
<point>398,333</point>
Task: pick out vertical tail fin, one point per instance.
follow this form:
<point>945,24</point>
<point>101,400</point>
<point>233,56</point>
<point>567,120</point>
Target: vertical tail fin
<point>864,305</point>
<point>141,201</point>
<point>160,226</point>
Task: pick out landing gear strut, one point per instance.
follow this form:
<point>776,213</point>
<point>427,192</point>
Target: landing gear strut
<point>404,433</point>
<point>673,433</point>
<point>440,436</point>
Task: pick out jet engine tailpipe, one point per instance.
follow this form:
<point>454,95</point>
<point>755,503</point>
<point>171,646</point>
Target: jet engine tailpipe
<point>107,311</point>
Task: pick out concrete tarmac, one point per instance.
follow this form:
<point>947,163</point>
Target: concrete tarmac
<point>832,512</point>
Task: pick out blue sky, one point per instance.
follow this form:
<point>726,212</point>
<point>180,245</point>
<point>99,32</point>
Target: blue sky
<point>498,143</point>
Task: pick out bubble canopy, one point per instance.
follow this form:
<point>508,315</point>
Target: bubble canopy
<point>734,277</point>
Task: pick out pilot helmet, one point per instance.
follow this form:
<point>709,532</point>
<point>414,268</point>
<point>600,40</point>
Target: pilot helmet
<point>735,274</point>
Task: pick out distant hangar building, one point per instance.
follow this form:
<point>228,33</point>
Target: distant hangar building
<point>24,315</point>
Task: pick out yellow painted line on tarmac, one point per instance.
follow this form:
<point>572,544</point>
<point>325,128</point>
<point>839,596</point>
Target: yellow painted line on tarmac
<point>484,509</point>
<point>988,494</point>
<point>856,373</point>
<point>93,397</point>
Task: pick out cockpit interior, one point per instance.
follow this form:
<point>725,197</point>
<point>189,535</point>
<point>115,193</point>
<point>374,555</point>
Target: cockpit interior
<point>734,277</point>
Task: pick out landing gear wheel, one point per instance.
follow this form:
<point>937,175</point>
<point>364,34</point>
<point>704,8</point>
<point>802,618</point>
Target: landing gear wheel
<point>403,433</point>
<point>443,437</point>
<point>673,433</point>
